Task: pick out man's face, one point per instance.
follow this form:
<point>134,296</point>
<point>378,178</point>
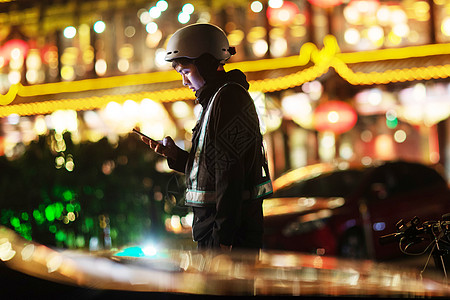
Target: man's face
<point>191,76</point>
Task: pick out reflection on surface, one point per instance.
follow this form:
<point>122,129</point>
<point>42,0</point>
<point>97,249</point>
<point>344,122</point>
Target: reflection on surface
<point>214,273</point>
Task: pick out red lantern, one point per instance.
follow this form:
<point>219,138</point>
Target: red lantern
<point>283,15</point>
<point>335,116</point>
<point>12,45</point>
<point>325,3</point>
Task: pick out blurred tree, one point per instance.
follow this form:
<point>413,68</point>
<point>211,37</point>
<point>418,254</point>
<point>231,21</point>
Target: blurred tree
<point>95,195</point>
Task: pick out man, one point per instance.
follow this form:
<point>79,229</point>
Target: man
<point>226,170</point>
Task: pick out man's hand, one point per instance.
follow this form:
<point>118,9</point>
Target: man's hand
<point>166,147</point>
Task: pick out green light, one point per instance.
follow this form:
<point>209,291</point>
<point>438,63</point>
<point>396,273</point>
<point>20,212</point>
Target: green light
<point>67,195</point>
<point>70,208</point>
<point>36,214</point>
<point>58,209</point>
<point>89,223</point>
<point>53,211</point>
<point>38,217</point>
<point>15,221</point>
<point>391,122</point>
<point>113,233</point>
<point>80,242</point>
<point>60,236</point>
<point>50,213</point>
<point>52,228</point>
<point>77,207</point>
<point>24,230</point>
<point>25,216</point>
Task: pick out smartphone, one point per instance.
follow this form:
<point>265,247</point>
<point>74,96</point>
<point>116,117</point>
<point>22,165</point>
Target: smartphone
<point>143,135</point>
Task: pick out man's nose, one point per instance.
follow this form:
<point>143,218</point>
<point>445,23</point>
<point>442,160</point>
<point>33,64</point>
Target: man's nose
<point>185,80</point>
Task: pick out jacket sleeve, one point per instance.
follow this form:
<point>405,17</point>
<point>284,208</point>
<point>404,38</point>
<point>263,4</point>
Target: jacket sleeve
<point>179,164</point>
<point>235,126</point>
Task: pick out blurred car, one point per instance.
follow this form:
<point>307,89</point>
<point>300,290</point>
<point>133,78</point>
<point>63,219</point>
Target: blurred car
<point>343,210</point>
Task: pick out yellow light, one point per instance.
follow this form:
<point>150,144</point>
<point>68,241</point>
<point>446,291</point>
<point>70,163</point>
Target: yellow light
<point>123,65</point>
<point>14,77</point>
<point>181,110</point>
<point>333,117</point>
<point>70,165</point>
<point>398,16</point>
<point>71,216</point>
<point>352,36</point>
<point>346,151</point>
<point>16,54</point>
<point>153,39</point>
<point>175,224</point>
<point>421,10</point>
<point>130,108</point>
<point>400,136</point>
<point>235,37</point>
<point>402,30</point>
<point>31,76</point>
<point>67,73</point>
<point>383,15</point>
<point>384,147</point>
<point>352,15</point>
<point>328,140</point>
<point>445,26</point>
<point>33,59</point>
<point>260,48</point>
<point>298,31</point>
<point>319,63</point>
<point>375,33</point>
<point>278,47</point>
<point>394,38</point>
<point>126,51</point>
<point>256,33</point>
<point>101,67</point>
<point>40,127</point>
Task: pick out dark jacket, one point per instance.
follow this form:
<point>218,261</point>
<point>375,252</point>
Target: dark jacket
<point>226,171</point>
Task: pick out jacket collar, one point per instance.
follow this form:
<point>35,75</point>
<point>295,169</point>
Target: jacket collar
<point>205,93</point>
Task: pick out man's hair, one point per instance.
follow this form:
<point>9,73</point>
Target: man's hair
<point>206,64</point>
<point>182,61</point>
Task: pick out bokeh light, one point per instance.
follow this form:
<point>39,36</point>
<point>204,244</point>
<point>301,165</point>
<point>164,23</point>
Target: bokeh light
<point>256,6</point>
<point>70,32</point>
<point>99,26</point>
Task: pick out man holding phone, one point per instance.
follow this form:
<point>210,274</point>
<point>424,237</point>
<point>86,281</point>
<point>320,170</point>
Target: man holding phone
<point>227,176</point>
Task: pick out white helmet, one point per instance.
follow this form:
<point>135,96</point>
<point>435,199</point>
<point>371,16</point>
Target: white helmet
<point>194,40</point>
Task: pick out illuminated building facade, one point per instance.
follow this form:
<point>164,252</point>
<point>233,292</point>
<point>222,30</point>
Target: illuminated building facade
<point>96,68</point>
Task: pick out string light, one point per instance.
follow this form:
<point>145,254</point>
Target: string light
<point>322,60</point>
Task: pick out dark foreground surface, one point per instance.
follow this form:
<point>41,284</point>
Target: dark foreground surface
<point>32,271</point>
